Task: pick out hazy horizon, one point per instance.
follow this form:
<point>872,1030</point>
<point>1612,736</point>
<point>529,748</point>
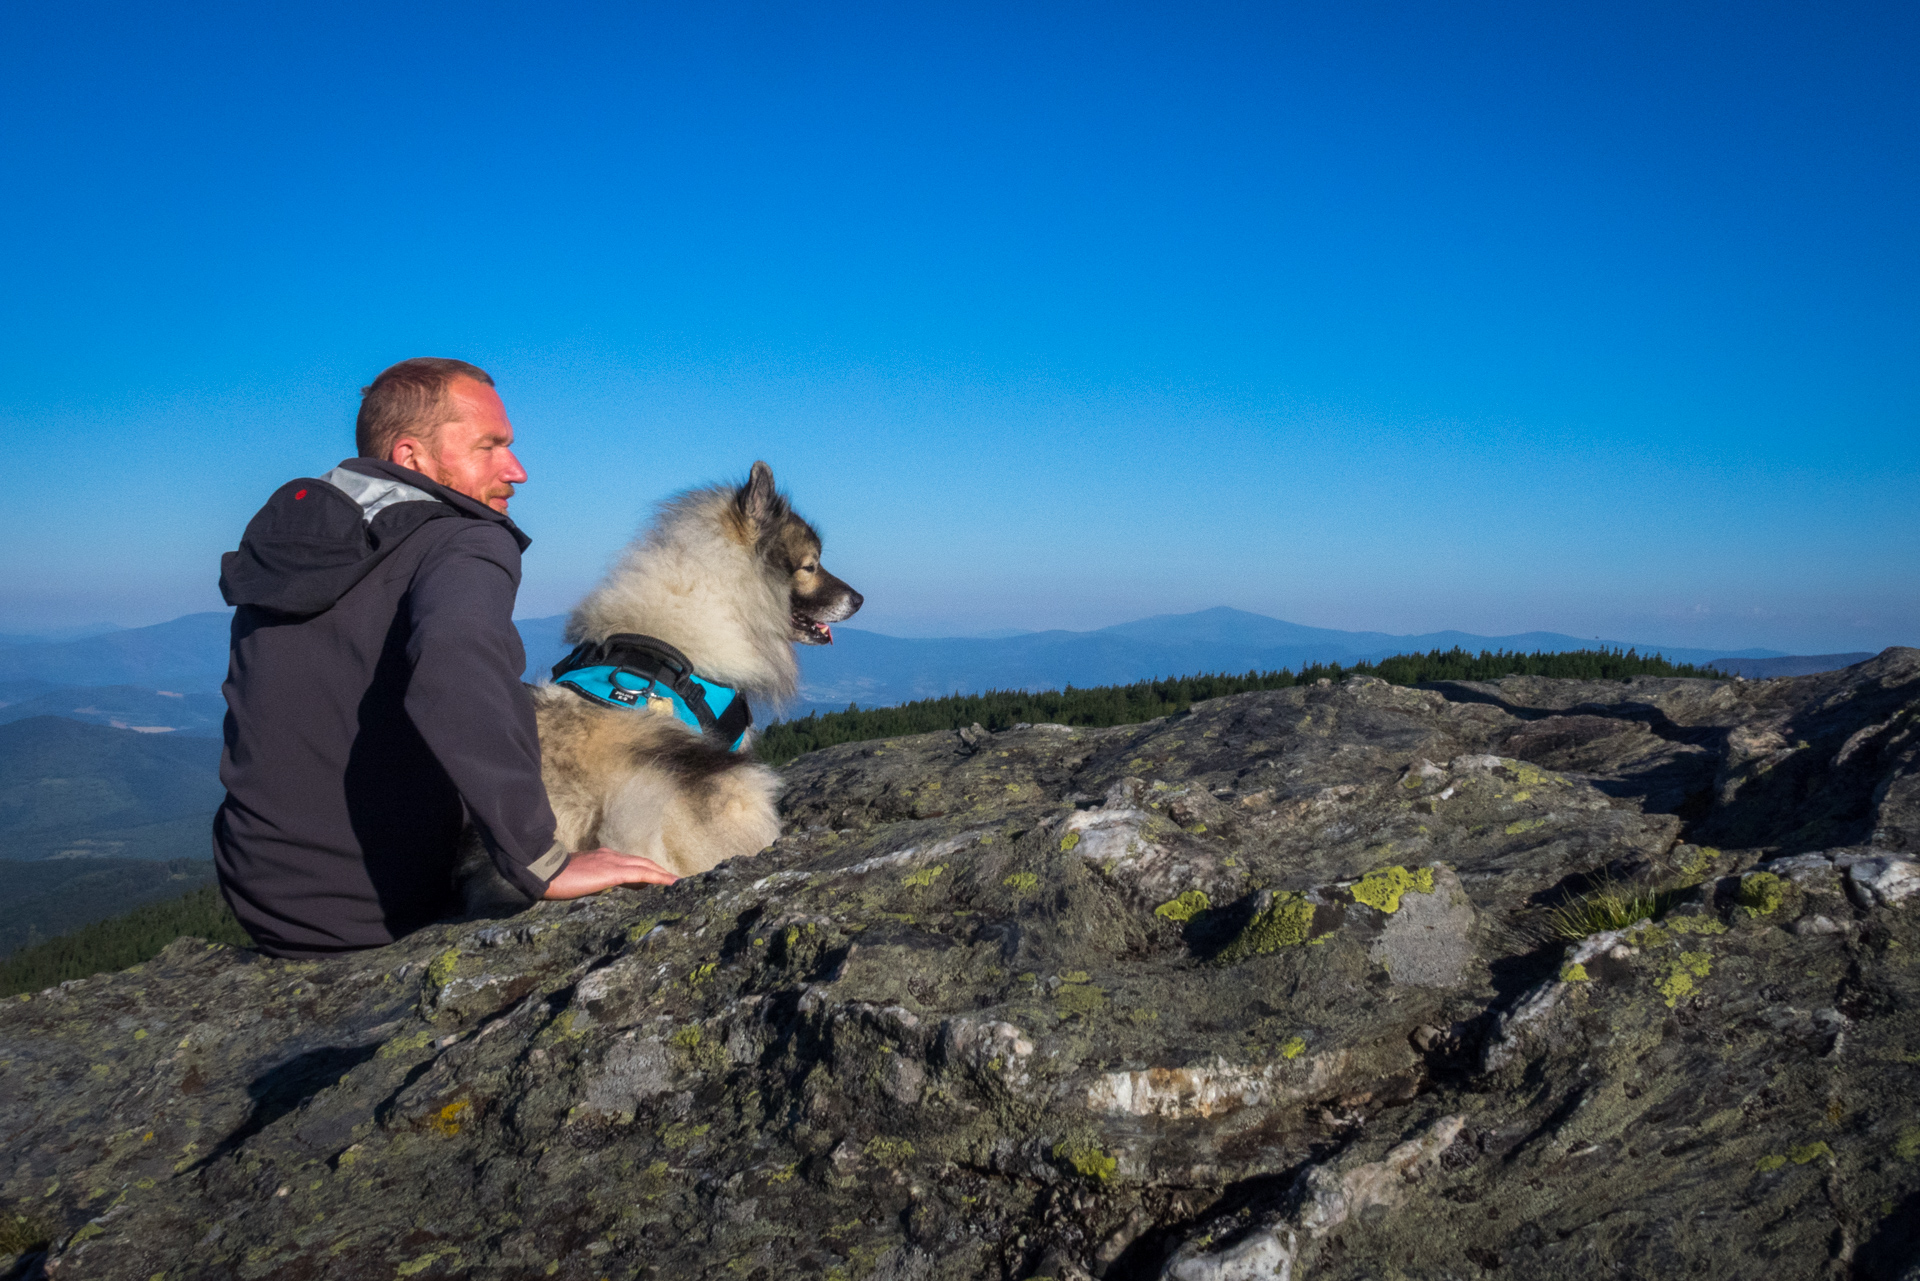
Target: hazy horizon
<point>85,631</point>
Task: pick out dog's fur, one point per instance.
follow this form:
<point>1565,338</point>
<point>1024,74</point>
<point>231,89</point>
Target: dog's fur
<point>731,577</point>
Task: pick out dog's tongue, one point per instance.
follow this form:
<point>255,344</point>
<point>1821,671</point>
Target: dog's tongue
<point>826,632</point>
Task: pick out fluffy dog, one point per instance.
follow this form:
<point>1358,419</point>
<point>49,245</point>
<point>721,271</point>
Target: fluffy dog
<point>730,577</point>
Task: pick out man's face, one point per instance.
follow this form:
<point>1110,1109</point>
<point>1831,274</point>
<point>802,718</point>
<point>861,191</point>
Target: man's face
<point>473,454</point>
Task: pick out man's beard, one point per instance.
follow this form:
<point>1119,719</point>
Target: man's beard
<point>444,477</point>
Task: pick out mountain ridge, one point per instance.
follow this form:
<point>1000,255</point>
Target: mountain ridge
<point>188,656</point>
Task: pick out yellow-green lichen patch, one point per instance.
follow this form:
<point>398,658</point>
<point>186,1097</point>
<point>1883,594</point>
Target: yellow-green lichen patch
<point>1022,883</point>
<point>1768,1164</point>
<point>1694,925</point>
<point>1906,1145</point>
<point>1293,1047</point>
<point>679,1134</point>
<point>1574,974</point>
<point>1680,976</point>
<point>1082,999</point>
<point>1286,921</point>
<point>1529,776</point>
<point>1068,841</point>
<point>891,1153</point>
<point>924,877</point>
<point>1382,889</point>
<point>701,973</point>
<point>1697,863</point>
<point>1807,1153</point>
<point>405,1044</point>
<point>701,1052</point>
<point>425,1261</point>
<point>637,932</point>
<point>1088,1162</point>
<point>440,972</point>
<point>1525,825</point>
<point>1185,907</point>
<point>1761,893</point>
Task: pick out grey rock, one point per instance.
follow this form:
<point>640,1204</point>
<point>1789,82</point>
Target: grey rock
<point>1428,942</point>
<point>964,1020</point>
<point>1888,880</point>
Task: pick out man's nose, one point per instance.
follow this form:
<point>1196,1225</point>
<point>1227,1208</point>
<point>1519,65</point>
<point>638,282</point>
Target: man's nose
<point>515,474</point>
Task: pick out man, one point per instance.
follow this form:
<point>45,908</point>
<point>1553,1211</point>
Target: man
<point>373,691</point>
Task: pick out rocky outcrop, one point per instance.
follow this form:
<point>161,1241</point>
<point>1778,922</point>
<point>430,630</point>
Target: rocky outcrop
<point>1268,989</point>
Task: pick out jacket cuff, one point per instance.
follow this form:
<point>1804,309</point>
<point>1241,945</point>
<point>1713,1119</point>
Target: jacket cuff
<point>533,878</point>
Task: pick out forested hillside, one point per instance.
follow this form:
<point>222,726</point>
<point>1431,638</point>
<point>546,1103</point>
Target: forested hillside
<point>50,897</point>
<point>1144,700</point>
<point>71,788</point>
<point>125,940</point>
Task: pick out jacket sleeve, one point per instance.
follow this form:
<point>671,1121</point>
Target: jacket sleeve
<point>466,699</point>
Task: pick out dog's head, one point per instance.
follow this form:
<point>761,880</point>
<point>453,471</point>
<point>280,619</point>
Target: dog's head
<point>789,547</point>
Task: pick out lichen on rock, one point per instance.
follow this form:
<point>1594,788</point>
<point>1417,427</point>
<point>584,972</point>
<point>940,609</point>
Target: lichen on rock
<point>1047,1027</point>
<point>1381,890</point>
<point>1280,919</point>
<point>1761,893</point>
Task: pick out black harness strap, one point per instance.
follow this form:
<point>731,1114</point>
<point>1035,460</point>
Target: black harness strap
<point>651,659</point>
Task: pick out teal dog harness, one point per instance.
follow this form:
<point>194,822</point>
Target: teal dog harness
<point>639,673</point>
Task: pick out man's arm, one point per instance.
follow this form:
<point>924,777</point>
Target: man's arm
<point>466,699</point>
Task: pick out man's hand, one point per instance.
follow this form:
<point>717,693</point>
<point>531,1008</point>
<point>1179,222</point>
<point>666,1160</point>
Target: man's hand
<point>591,871</point>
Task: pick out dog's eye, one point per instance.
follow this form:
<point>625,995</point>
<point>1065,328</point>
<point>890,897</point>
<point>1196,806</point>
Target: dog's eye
<point>809,569</point>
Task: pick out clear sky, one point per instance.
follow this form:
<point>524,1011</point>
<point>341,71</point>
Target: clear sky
<point>1591,318</point>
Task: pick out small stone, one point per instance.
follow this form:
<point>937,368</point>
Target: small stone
<point>1887,881</point>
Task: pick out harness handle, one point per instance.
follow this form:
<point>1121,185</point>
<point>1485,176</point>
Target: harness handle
<point>652,660</point>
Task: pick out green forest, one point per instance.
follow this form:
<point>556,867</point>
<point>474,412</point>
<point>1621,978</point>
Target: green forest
<point>122,941</point>
<point>783,741</point>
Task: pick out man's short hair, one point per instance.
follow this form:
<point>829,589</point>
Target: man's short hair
<point>411,398</point>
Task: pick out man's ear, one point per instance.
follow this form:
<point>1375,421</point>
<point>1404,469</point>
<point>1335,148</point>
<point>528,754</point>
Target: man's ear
<point>756,497</point>
<point>407,452</point>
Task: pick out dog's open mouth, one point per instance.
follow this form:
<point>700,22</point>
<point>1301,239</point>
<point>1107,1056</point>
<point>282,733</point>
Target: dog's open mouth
<point>811,631</point>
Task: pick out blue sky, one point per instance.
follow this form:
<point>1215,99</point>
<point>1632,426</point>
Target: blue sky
<point>1590,318</point>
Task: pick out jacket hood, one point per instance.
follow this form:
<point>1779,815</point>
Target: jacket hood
<point>318,536</point>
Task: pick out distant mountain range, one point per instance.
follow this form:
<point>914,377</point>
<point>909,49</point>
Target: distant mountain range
<point>876,670</point>
<point>187,655</point>
<point>1792,665</point>
<point>168,676</point>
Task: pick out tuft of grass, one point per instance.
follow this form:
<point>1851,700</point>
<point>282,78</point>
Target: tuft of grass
<point>24,1234</point>
<point>1608,905</point>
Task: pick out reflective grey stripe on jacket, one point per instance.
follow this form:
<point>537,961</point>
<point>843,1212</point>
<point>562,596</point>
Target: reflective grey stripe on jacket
<point>374,493</point>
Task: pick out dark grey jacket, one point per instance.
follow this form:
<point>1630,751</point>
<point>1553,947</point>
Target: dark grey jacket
<point>374,707</point>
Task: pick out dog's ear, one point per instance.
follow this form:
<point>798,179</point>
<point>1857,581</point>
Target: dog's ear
<point>756,497</point>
